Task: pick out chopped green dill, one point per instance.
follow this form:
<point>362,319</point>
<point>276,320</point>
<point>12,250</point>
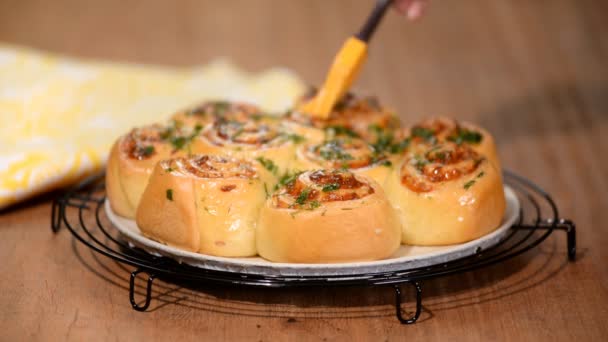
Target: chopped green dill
<point>442,156</point>
<point>220,107</point>
<point>333,131</point>
<point>331,187</point>
<point>169,169</point>
<point>481,174</point>
<point>433,149</point>
<point>384,138</point>
<point>238,132</point>
<point>169,194</point>
<point>287,178</point>
<point>303,196</point>
<point>268,165</point>
<point>469,184</point>
<point>297,139</point>
<point>386,163</point>
<point>332,150</point>
<point>266,190</point>
<point>257,116</point>
<point>424,133</point>
<point>400,146</point>
<point>419,163</point>
<point>314,204</point>
<point>175,137</point>
<point>347,208</point>
<point>178,142</point>
<point>375,128</point>
<point>464,135</point>
<point>148,150</point>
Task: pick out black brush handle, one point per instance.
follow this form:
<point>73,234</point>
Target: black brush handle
<point>373,20</point>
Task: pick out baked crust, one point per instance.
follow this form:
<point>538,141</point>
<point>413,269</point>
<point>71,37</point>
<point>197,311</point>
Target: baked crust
<point>446,194</point>
<point>210,111</point>
<point>205,204</point>
<point>332,228</point>
<point>130,165</point>
<point>352,154</point>
<point>442,129</point>
<point>249,139</point>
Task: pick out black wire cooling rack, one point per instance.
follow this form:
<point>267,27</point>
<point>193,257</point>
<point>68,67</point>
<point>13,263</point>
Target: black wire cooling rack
<point>80,210</point>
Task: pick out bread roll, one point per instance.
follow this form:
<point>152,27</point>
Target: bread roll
<point>210,111</point>
<point>205,204</point>
<point>327,216</point>
<point>261,140</point>
<point>353,154</point>
<point>441,129</point>
<point>353,116</point>
<point>446,194</point>
<point>133,157</point>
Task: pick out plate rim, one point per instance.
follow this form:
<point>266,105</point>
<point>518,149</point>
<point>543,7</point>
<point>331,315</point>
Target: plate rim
<point>259,266</point>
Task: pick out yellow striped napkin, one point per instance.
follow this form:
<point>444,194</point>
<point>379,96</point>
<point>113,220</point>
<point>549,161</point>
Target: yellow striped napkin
<point>59,115</point>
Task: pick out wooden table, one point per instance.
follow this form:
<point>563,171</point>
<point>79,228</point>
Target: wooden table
<point>535,73</point>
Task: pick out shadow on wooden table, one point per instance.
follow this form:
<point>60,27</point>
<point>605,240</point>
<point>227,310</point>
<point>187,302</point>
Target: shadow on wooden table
<point>493,283</point>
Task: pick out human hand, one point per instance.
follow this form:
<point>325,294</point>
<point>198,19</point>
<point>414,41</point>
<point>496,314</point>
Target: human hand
<point>412,9</point>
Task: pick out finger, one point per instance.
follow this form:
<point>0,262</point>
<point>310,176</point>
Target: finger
<point>415,9</point>
<point>402,6</point>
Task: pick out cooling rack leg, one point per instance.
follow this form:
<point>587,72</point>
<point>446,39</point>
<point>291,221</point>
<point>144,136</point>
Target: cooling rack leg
<point>398,311</point>
<point>132,291</point>
<point>570,228</point>
<point>56,208</point>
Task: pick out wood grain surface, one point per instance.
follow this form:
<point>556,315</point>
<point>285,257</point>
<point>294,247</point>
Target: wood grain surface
<point>535,73</point>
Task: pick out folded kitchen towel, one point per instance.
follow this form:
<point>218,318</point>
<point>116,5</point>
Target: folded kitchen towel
<point>59,116</point>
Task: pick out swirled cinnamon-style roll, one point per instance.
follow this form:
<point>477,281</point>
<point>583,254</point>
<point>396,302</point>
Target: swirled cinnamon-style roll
<point>327,216</point>
<point>133,157</point>
<point>205,204</point>
<point>211,111</point>
<point>446,194</point>
<point>253,139</point>
<point>437,130</point>
<point>361,117</point>
<point>353,154</point>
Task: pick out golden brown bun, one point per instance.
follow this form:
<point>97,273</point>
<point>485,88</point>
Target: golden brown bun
<point>436,211</point>
<point>442,129</point>
<point>320,230</point>
<point>210,111</point>
<point>130,164</point>
<point>248,139</point>
<point>205,204</point>
<point>354,115</point>
<point>167,212</point>
<point>310,133</point>
<point>353,154</point>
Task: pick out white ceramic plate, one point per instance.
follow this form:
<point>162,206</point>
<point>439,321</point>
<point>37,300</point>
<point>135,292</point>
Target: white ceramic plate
<point>407,257</point>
